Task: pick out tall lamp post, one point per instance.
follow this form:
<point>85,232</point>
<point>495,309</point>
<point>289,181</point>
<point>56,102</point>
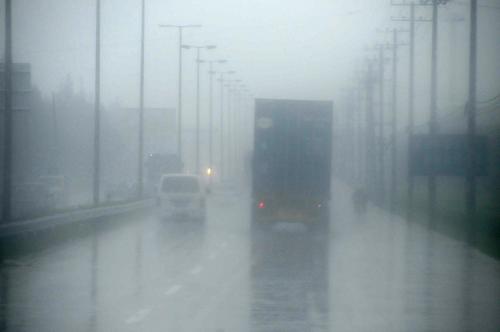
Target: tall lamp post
<point>97,111</point>
<point>238,128</point>
<point>231,85</point>
<point>140,175</point>
<point>180,28</point>
<point>211,72</point>
<point>198,62</point>
<point>221,124</point>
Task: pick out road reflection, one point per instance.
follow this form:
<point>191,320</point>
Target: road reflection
<point>289,280</point>
<point>94,270</point>
<point>439,282</point>
<point>4,297</point>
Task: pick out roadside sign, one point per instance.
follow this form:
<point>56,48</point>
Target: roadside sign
<point>447,153</point>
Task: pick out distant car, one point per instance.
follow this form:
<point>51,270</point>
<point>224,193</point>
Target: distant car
<point>181,196</point>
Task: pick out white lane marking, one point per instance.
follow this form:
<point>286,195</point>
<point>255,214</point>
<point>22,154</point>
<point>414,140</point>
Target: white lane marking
<point>212,256</point>
<point>138,316</point>
<point>172,290</point>
<point>196,270</point>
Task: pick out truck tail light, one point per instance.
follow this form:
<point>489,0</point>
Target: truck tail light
<point>262,205</point>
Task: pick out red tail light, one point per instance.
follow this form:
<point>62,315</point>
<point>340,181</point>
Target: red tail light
<point>262,205</point>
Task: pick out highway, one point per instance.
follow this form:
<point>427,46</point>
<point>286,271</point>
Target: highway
<point>371,272</point>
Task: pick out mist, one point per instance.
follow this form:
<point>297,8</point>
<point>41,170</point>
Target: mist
<point>280,169</point>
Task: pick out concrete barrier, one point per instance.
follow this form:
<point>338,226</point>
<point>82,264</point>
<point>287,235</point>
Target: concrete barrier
<point>47,222</point>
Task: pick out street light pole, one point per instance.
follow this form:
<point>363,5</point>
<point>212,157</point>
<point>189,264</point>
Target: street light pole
<point>140,179</point>
<point>180,28</point>
<point>198,62</point>
<point>381,119</point>
<point>370,134</point>
<point>238,128</point>
<point>221,124</point>
<point>230,117</point>
<point>97,110</point>
<point>210,116</point>
<point>211,73</point>
<point>228,130</point>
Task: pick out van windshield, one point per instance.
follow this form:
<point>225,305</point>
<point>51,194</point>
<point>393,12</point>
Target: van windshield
<point>180,185</point>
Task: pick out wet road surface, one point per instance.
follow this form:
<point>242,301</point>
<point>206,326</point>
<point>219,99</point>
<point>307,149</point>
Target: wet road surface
<point>369,273</point>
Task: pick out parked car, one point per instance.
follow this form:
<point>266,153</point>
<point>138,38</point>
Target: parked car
<point>181,196</point>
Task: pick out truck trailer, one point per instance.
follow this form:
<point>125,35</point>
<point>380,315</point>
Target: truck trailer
<point>291,164</point>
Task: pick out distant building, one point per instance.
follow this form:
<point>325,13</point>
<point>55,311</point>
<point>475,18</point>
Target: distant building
<point>21,86</point>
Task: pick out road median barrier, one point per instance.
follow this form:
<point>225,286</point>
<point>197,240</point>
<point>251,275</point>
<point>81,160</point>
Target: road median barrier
<point>65,218</point>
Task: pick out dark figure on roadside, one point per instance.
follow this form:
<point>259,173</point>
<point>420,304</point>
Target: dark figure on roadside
<point>359,200</point>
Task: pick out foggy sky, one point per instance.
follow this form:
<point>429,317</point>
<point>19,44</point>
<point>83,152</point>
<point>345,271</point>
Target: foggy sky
<point>287,49</point>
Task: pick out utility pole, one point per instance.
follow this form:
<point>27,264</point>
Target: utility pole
<point>7,154</point>
<point>471,127</point>
<point>432,181</point>
<point>97,110</point>
<point>140,173</point>
<point>394,119</point>
<point>411,86</point>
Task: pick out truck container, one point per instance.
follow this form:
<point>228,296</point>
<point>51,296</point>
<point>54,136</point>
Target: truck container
<point>291,165</point>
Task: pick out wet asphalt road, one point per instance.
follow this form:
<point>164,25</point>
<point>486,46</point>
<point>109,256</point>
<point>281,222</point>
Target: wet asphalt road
<point>369,273</point>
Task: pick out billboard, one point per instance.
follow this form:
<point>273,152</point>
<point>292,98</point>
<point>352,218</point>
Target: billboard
<point>445,155</point>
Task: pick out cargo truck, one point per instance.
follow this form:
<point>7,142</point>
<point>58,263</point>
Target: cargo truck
<point>291,164</point>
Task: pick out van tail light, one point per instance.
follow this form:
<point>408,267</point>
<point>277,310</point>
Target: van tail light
<point>262,205</point>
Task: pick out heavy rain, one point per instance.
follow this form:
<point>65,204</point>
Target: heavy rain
<point>257,165</point>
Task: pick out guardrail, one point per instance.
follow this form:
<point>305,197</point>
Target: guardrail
<point>43,223</point>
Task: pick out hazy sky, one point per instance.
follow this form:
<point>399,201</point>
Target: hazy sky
<point>288,49</point>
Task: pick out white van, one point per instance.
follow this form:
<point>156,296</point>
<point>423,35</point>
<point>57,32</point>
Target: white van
<point>181,195</point>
